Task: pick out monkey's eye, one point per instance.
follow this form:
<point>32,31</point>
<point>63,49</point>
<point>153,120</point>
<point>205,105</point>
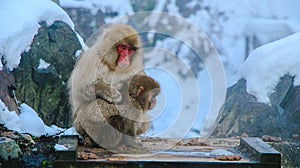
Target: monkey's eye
<point>123,46</point>
<point>132,48</point>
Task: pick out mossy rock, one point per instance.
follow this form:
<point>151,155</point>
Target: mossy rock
<point>45,89</point>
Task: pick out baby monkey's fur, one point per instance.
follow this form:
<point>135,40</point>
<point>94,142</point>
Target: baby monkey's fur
<point>102,123</point>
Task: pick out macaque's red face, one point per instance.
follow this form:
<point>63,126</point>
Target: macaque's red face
<point>152,102</point>
<point>125,52</point>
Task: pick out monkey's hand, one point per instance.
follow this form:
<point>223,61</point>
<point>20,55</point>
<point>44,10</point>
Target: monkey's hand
<point>108,93</point>
<point>117,97</point>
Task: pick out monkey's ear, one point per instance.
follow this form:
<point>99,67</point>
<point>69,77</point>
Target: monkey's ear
<point>140,91</point>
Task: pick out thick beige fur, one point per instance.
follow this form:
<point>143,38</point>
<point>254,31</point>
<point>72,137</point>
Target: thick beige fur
<point>97,66</point>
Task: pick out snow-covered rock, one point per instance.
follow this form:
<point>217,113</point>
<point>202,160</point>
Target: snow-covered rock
<point>38,29</point>
<point>243,114</point>
<point>268,63</point>
<point>21,23</point>
<point>47,67</point>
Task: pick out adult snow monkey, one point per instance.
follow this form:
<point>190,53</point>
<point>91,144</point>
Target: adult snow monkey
<point>115,57</point>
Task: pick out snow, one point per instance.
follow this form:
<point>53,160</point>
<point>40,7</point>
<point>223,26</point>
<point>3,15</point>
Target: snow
<point>43,64</point>
<point>266,30</point>
<point>27,122</point>
<point>221,152</point>
<point>53,130</point>
<point>30,121</point>
<point>69,131</point>
<point>10,119</point>
<point>268,63</point>
<point>21,20</point>
<point>120,6</point>
<point>59,147</point>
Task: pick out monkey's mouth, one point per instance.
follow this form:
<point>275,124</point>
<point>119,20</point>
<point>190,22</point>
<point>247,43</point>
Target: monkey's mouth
<point>123,64</point>
<point>152,103</point>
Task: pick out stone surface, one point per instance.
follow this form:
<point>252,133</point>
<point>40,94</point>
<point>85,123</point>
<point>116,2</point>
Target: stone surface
<point>9,149</point>
<point>243,114</point>
<point>290,153</point>
<point>45,89</point>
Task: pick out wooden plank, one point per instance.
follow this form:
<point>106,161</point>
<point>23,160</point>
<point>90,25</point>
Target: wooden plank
<point>156,164</point>
<point>69,153</point>
<point>262,151</point>
<point>186,153</point>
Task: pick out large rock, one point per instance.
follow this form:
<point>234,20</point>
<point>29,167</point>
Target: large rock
<point>45,89</point>
<point>290,153</point>
<point>243,114</point>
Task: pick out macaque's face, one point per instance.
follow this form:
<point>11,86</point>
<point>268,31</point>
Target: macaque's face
<point>143,91</point>
<point>152,101</point>
<point>148,97</point>
<point>125,52</point>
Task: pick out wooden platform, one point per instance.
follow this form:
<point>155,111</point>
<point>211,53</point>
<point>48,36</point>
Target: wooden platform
<point>157,152</point>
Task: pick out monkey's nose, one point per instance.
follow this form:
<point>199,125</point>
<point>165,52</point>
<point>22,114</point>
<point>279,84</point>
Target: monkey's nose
<point>125,62</point>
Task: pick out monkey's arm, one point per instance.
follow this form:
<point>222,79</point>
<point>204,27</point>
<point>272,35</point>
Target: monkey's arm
<point>107,92</point>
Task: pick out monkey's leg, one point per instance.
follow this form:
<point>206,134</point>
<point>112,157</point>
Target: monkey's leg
<point>95,124</point>
<point>129,130</point>
<point>86,139</point>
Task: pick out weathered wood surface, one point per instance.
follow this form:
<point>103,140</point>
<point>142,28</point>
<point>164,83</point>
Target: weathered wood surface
<point>179,153</point>
<point>263,152</point>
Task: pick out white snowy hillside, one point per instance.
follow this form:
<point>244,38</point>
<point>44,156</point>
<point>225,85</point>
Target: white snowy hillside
<point>19,24</point>
<point>268,63</point>
<point>235,28</point>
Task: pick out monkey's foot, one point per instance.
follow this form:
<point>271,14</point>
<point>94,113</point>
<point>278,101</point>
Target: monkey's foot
<point>88,142</point>
<point>131,146</point>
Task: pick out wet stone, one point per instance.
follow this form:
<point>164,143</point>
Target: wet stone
<point>9,149</point>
